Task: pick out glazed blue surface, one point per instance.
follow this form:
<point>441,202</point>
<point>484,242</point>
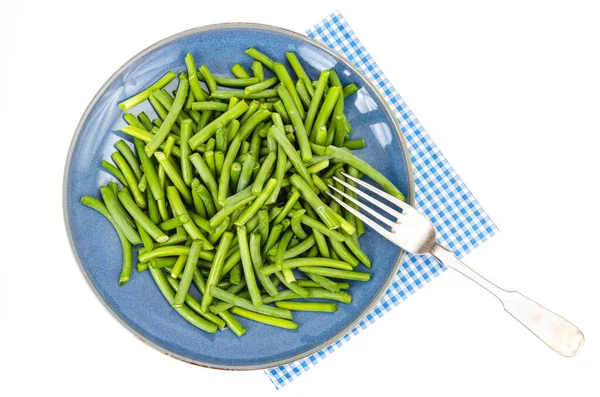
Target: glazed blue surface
<point>139,304</point>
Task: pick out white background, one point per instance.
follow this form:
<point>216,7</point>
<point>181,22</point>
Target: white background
<point>509,92</point>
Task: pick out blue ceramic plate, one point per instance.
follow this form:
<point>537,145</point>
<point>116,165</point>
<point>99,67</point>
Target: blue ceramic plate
<point>139,305</point>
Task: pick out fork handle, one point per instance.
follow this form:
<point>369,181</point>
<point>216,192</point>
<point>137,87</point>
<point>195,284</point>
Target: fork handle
<point>556,332</point>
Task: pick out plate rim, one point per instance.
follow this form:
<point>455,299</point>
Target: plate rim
<point>219,26</point>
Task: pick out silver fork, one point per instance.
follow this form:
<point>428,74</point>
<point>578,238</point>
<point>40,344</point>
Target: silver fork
<point>413,232</point>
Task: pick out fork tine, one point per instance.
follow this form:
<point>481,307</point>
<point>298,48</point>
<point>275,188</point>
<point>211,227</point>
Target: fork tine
<point>370,199</point>
<point>379,229</point>
<point>381,193</point>
<point>365,208</point>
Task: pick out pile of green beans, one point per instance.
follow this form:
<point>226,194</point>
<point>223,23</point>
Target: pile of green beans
<point>225,192</point>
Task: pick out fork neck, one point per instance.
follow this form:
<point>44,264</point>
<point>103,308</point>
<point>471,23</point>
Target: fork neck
<point>448,259</point>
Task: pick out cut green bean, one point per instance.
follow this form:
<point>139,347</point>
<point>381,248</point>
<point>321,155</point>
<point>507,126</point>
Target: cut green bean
<point>246,173</point>
<point>239,71</point>
<point>258,202</point>
<point>291,154</point>
<point>205,174</point>
<point>143,95</point>
<point>130,157</point>
<point>336,273</point>
<point>308,306</point>
<point>141,218</point>
<point>205,133</point>
<point>257,263</point>
<point>259,56</point>
<point>297,121</point>
<point>326,110</point>
<point>186,165</point>
<point>174,222</point>
<point>306,263</point>
<point>247,266</point>
<point>229,82</point>
<point>246,304</point>
<point>261,86</point>
<point>350,159</point>
<point>188,272</point>
<point>350,89</point>
<point>171,117</point>
<point>315,102</point>
<point>126,248</point>
<point>210,105</point>
<point>174,177</point>
<point>257,70</point>
<point>325,213</point>
<point>355,144</point>
<point>179,209</point>
<point>279,108</point>
<point>215,271</point>
<point>114,209</point>
<point>115,171</point>
<point>303,94</point>
<point>324,282</point>
<point>265,319</point>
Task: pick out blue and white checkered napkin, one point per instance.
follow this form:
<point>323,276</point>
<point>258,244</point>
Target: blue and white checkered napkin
<point>441,195</point>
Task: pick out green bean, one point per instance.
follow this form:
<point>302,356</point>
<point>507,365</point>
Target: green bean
<point>336,273</point>
<point>261,85</point>
<point>179,209</point>
<point>263,224</point>
<point>289,150</point>
<point>221,306</point>
<point>115,171</point>
<point>207,200</point>
<point>232,323</point>
<point>286,82</point>
<point>246,173</point>
<point>316,225</point>
<point>239,71</point>
<point>229,82</point>
<point>350,89</point>
<point>130,178</point>
<point>259,56</point>
<point>126,248</point>
<point>303,94</point>
<point>221,140</point>
<point>186,165</point>
<point>218,231</point>
<point>355,144</point>
<point>231,261</point>
<point>258,71</point>
<point>355,248</point>
<point>205,174</point>
<point>297,67</point>
<point>296,226</point>
<point>263,174</point>
<point>246,304</point>
<point>167,101</point>
<point>324,212</point>
<point>174,222</point>
<point>221,121</point>
<point>184,311</point>
<point>143,183</point>
<point>195,88</point>
<point>174,176</point>
<point>326,110</point>
<point>293,286</point>
<point>245,129</point>
<point>209,158</point>
<point>145,120</point>
<point>324,282</point>
<point>210,105</point>
<point>162,176</point>
<point>208,78</point>
<point>348,158</point>
<point>296,117</point>
<point>292,200</point>
<point>273,238</point>
<point>268,93</point>
<point>149,171</point>
<point>313,284</point>
<point>141,267</point>
<point>152,207</point>
<point>279,108</point>
<point>199,206</point>
<point>202,223</point>
<point>262,318</point>
<point>219,159</point>
<point>215,271</point>
<point>321,136</point>
<point>320,184</point>
<point>195,305</point>
<point>171,117</point>
<point>130,157</point>
<point>114,209</point>
<point>180,263</point>
<point>308,306</point>
<point>316,293</point>
<point>236,198</point>
<point>159,252</point>
<point>257,262</point>
<point>143,95</point>
<point>258,202</point>
<point>228,210</point>
<point>315,102</point>
<point>160,263</point>
<point>247,266</point>
<point>298,249</point>
<point>306,263</point>
<point>236,170</point>
<point>140,217</point>
<point>188,272</point>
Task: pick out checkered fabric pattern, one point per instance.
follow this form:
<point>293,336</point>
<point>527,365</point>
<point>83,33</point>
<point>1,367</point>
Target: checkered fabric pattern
<point>441,195</point>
